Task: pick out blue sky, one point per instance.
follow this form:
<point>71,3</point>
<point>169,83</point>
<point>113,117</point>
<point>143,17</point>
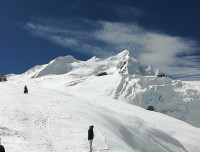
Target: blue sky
<point>163,33</point>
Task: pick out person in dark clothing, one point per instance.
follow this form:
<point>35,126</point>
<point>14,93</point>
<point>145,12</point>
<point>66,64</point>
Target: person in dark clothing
<point>2,149</point>
<point>90,135</point>
<point>25,89</point>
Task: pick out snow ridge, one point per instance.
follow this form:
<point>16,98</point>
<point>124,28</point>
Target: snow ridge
<point>122,63</point>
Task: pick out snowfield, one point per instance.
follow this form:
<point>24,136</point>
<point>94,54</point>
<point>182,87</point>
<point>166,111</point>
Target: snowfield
<point>66,97</point>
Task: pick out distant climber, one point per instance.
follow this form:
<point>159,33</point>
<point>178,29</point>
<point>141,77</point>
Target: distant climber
<point>150,108</point>
<point>90,136</point>
<point>25,89</point>
<point>2,149</point>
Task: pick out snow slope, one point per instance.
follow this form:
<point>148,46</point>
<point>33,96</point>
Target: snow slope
<point>66,97</point>
<point>49,120</point>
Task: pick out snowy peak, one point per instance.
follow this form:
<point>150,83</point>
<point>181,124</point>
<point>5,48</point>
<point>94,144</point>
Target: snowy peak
<point>60,65</point>
<point>93,58</point>
<point>123,54</point>
<point>129,65</point>
<point>122,63</point>
<point>65,59</point>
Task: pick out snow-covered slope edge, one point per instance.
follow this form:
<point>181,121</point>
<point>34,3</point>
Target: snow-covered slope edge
<point>49,120</point>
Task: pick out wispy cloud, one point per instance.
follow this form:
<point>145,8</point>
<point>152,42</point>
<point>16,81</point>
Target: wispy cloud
<point>70,36</point>
<point>103,38</point>
<point>153,48</point>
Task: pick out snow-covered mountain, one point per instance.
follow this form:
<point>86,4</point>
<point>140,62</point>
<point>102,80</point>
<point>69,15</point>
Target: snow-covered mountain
<point>129,81</point>
<point>67,95</point>
<point>122,63</point>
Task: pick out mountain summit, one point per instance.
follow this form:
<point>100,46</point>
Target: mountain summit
<point>122,63</point>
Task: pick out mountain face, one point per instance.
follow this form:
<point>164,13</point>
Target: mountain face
<point>124,79</point>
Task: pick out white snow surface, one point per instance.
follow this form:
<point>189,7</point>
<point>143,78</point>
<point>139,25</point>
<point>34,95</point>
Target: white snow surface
<point>66,97</point>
